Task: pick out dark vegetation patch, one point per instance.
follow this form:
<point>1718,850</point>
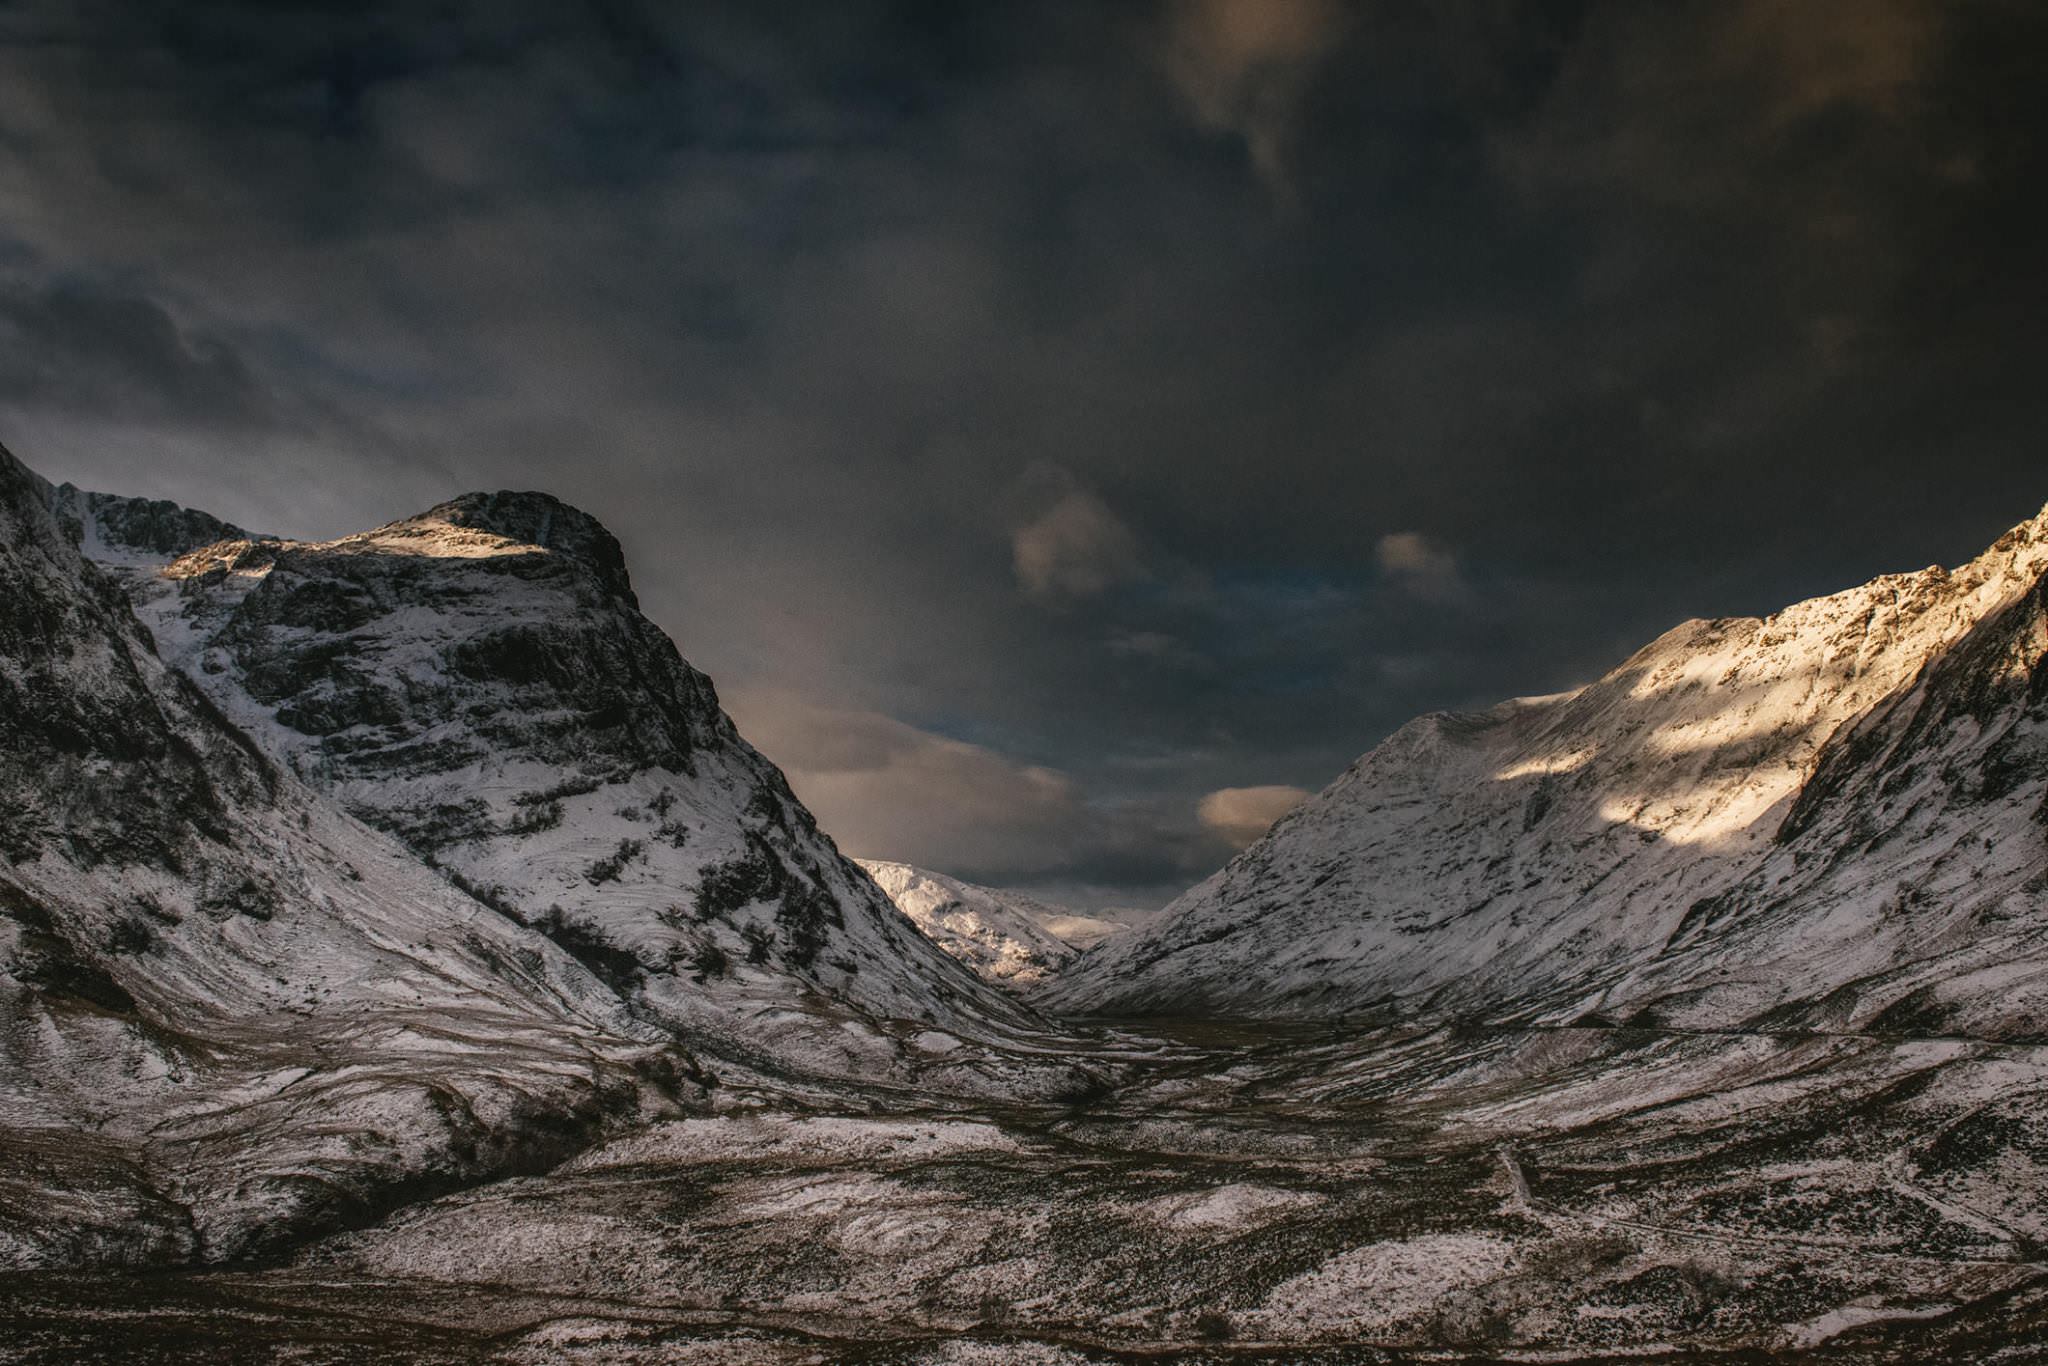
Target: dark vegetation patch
<point>710,961</point>
<point>1979,1140</point>
<point>1705,914</point>
<point>723,888</point>
<point>615,967</point>
<point>608,868</point>
<point>491,894</point>
<point>429,829</point>
<point>131,934</point>
<point>568,787</point>
<point>46,959</point>
<point>1919,1012</point>
<point>237,895</point>
<point>1539,803</point>
<point>535,818</point>
<point>806,916</point>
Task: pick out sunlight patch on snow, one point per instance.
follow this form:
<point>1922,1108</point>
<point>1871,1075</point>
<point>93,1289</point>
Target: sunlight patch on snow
<point>442,541</point>
<point>1730,819</point>
<point>1548,765</point>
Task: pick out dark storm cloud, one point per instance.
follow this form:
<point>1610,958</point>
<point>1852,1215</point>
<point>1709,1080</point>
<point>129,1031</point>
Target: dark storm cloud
<point>82,349</point>
<point>1041,418</point>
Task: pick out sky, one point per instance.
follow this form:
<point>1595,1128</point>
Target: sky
<point>1065,432</point>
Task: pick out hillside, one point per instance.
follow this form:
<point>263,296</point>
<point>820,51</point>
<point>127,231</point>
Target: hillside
<point>1838,801</point>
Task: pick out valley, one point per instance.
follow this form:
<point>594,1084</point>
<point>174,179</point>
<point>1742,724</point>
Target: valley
<point>1327,1196</point>
<point>381,981</point>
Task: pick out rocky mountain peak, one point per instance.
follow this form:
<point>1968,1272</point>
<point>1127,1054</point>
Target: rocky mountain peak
<point>155,527</point>
<point>478,682</point>
<point>518,519</point>
<point>120,530</point>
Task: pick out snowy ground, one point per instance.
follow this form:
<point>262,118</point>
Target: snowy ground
<point>1568,1195</point>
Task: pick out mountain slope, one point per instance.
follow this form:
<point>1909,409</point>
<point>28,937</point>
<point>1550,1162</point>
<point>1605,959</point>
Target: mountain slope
<point>1000,935</point>
<point>1909,889</point>
<point>1662,833</point>
<point>230,1014</point>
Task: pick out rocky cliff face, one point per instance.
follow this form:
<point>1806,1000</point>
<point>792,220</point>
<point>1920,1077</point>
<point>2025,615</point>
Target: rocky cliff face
<point>1745,816</point>
<point>119,533</point>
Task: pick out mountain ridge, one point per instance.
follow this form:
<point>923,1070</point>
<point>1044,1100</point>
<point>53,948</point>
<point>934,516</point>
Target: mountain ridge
<point>209,975</point>
<point>1527,860</point>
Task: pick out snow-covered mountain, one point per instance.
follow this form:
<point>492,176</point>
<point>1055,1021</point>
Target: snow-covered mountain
<point>1003,936</point>
<point>341,873</point>
<point>230,1013</point>
<point>1830,816</point>
<point>478,681</point>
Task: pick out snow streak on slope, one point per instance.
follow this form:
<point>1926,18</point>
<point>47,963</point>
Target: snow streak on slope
<point>1001,935</point>
<point>1536,860</point>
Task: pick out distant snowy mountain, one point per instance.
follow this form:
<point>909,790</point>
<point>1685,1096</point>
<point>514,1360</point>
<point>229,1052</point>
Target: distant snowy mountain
<point>1004,937</point>
<point>1829,817</point>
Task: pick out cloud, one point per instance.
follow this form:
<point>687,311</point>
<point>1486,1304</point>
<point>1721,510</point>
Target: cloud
<point>1161,649</point>
<point>80,348</point>
<point>1242,66</point>
<point>1075,548</point>
<point>885,789</point>
<point>1411,552</point>
<point>796,304</point>
<point>1705,106</point>
<point>1419,565</point>
<point>1241,815</point>
<point>1815,57</point>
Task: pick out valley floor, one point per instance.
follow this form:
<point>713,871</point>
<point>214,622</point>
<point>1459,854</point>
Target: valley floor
<point>1301,1196</point>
